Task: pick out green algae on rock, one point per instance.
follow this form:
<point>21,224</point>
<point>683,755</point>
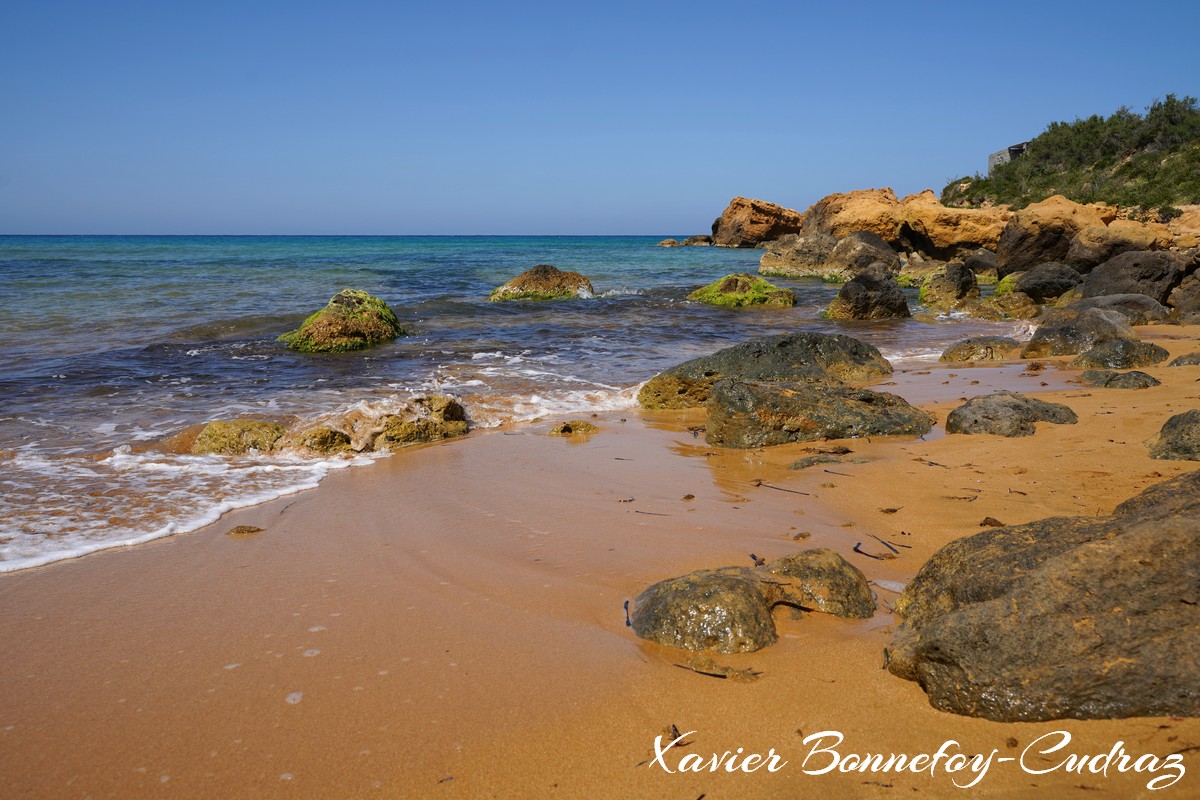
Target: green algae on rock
<point>235,437</point>
<point>543,282</point>
<point>575,427</point>
<point>742,289</point>
<point>353,320</point>
<point>436,417</point>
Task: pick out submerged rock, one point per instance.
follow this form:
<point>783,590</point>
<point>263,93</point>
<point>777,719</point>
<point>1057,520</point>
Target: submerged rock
<point>788,357</point>
<point>235,437</point>
<point>871,294</point>
<point>576,427</point>
<point>1067,333</point>
<point>543,282</point>
<point>740,289</point>
<point>1179,438</point>
<point>1122,354</point>
<point>1006,414</point>
<point>353,320</point>
<point>744,415</point>
<point>982,348</point>
<point>1108,379</point>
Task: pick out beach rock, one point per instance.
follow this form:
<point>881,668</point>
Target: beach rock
<point>722,610</point>
<point>980,261</point>
<point>858,251</point>
<point>1137,308</point>
<point>428,419</point>
<point>1185,228</point>
<point>1042,232</point>
<point>1121,354</point>
<point>1009,305</point>
<point>1153,274</point>
<point>1108,379</point>
<point>1186,360</point>
<point>821,580</point>
<point>1047,282</point>
<point>1185,298</point>
<point>982,348</point>
<point>575,427</point>
<point>873,210</point>
<point>744,415</point>
<point>352,320</point>
<point>668,243</point>
<point>740,290</point>
<point>787,357</point>
<point>700,240</point>
<point>873,293</point>
<point>796,256</point>
<point>1067,333</point>
<point>748,223</point>
<point>1006,414</point>
<point>1179,438</point>
<point>928,227</point>
<point>235,437</point>
<point>1095,244</point>
<point>946,287</point>
<point>320,439</point>
<point>543,282</point>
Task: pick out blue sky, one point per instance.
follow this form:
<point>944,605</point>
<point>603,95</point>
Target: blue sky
<point>571,118</point>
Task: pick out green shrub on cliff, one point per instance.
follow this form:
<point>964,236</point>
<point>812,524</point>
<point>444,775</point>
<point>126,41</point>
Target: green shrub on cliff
<point>1151,161</point>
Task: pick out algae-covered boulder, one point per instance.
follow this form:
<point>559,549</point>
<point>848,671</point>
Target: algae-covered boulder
<point>742,414</point>
<point>544,282</point>
<point>234,437</point>
<point>353,320</point>
<point>1179,438</point>
<point>740,289</point>
<point>1110,379</point>
<point>1006,414</point>
<point>873,293</point>
<point>822,580</point>
<point>788,357</point>
<point>723,610</point>
<point>431,419</point>
<point>982,348</point>
<point>575,427</point>
<point>1121,354</point>
<point>322,439</point>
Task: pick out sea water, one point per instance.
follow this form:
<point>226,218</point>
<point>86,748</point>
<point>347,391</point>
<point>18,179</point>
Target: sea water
<point>113,344</point>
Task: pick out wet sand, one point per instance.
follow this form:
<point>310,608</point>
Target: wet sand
<point>449,621</point>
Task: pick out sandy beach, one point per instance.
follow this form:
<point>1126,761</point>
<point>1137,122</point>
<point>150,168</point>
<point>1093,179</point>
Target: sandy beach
<point>449,622</point>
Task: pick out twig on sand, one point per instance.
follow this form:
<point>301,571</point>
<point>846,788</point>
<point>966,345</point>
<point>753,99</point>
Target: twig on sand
<point>628,622</point>
<point>843,474</point>
<point>765,485</point>
<point>858,549</point>
<point>886,544</point>
<point>651,513</point>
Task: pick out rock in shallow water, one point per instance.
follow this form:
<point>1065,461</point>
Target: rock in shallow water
<point>544,282</point>
<point>1006,414</point>
<point>871,294</point>
<point>740,290</point>
<point>352,320</point>
<point>237,436</point>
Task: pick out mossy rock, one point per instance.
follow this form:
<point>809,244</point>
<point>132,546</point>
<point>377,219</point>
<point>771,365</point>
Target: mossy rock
<point>438,417</point>
<point>1007,284</point>
<point>235,437</point>
<point>742,289</point>
<point>353,320</point>
<point>543,282</point>
<point>576,427</point>
<point>324,439</point>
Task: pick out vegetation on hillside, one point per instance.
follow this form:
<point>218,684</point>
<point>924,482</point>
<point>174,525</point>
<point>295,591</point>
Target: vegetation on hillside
<point>1151,162</point>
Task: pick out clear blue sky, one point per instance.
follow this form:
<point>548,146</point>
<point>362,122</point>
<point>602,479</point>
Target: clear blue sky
<point>520,117</point>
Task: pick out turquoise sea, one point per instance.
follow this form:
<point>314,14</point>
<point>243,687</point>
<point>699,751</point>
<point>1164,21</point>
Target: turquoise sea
<point>113,344</point>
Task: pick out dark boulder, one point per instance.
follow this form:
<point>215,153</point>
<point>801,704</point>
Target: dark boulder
<point>821,580</point>
<point>1186,360</point>
<point>1047,282</point>
<point>1066,333</point>
<point>873,293</point>
<point>946,287</point>
<point>723,610</point>
<point>1006,414</point>
<point>982,348</point>
<point>701,240</point>
<point>1137,308</point>
<point>980,261</point>
<point>796,256</point>
<point>788,357</point>
<point>1185,298</point>
<point>858,251</point>
<point>1179,438</point>
<point>1121,354</point>
<point>1108,379</point>
<point>1153,274</point>
<point>745,415</point>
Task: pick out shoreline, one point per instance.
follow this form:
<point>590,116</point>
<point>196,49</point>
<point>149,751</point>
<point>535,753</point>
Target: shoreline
<point>479,635</point>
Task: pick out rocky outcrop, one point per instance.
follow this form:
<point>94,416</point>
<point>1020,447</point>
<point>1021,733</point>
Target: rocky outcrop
<point>1067,333</point>
<point>740,290</point>
<point>1137,308</point>
<point>982,348</point>
<point>668,243</point>
<point>749,223</point>
<point>1043,231</point>
<point>700,240</point>
<point>543,282</point>
<point>788,357</point>
<point>1121,354</point>
<point>728,610</point>
<point>742,414</point>
<point>1178,439</point>
<point>1153,274</point>
<point>855,253</point>
<point>1185,229</point>
<point>235,437</point>
<point>796,256</point>
<point>947,287</point>
<point>1108,379</point>
<point>928,227</point>
<point>1095,244</point>
<point>873,293</point>
<point>876,211</point>
<point>1006,414</point>
<point>1047,282</point>
<point>1068,617</point>
<point>352,320</point>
